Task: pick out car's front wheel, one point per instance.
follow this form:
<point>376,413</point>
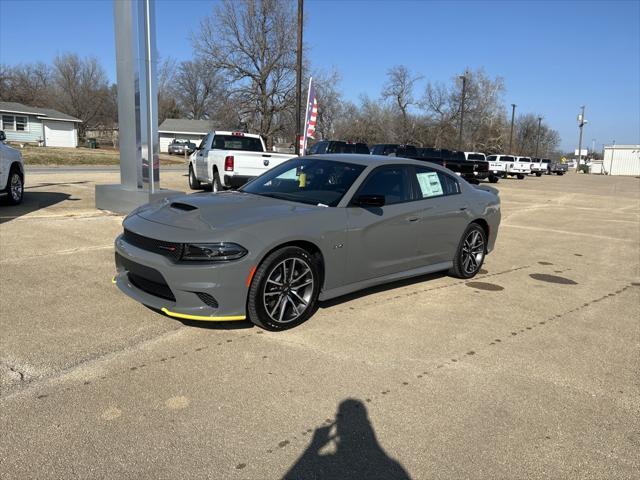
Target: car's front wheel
<point>471,252</point>
<point>15,187</point>
<point>284,290</point>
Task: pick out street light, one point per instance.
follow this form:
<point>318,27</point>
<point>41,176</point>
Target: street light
<point>513,115</point>
<point>538,139</point>
<point>581,124</point>
<point>464,87</point>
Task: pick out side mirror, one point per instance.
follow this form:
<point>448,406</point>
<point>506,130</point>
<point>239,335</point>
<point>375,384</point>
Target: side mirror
<point>369,201</point>
<point>3,137</point>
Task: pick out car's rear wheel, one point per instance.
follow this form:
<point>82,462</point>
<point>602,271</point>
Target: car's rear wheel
<point>15,187</point>
<point>284,290</point>
<point>471,252</point>
<point>194,183</point>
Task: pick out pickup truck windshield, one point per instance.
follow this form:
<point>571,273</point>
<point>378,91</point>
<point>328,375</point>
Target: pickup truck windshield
<point>233,142</point>
<point>306,180</point>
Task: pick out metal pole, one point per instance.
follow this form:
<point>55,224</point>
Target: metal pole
<point>538,140</point>
<point>464,87</point>
<point>299,76</point>
<point>513,116</point>
<point>580,141</point>
<point>613,149</point>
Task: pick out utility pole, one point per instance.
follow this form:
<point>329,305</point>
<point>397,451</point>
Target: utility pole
<point>299,77</point>
<point>581,122</point>
<point>513,116</point>
<point>464,87</point>
<point>538,139</point>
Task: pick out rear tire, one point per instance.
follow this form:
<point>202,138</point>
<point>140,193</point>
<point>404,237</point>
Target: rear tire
<point>471,252</point>
<point>194,183</point>
<point>216,185</point>
<point>538,174</point>
<point>494,178</point>
<point>284,290</point>
<point>520,176</point>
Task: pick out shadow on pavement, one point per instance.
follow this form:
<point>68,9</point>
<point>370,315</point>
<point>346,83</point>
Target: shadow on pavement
<point>381,288</point>
<point>351,450</point>
<point>31,202</point>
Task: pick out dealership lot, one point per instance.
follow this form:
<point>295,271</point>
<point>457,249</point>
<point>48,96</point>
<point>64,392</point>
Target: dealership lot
<point>530,370</point>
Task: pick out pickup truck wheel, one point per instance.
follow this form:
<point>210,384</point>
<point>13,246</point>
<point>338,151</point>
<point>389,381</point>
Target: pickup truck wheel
<point>216,185</point>
<point>15,187</point>
<point>538,174</point>
<point>194,183</point>
<point>560,173</point>
<point>470,254</point>
<point>284,290</point>
<point>520,176</point>
<point>493,178</point>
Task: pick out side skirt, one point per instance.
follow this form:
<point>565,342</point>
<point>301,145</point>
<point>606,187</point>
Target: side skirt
<point>372,282</point>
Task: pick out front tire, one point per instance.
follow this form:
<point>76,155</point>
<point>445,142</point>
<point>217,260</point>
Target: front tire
<point>194,183</point>
<point>520,176</point>
<point>538,174</point>
<point>493,178</point>
<point>15,187</point>
<point>284,290</point>
<point>471,252</point>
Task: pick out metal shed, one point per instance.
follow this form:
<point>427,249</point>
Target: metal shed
<point>621,160</point>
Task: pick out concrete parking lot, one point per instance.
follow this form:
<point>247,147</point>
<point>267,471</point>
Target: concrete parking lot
<point>529,370</point>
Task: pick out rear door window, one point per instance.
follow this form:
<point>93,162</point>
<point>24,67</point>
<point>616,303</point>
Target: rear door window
<point>434,183</point>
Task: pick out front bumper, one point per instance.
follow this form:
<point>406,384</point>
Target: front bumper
<point>210,292</point>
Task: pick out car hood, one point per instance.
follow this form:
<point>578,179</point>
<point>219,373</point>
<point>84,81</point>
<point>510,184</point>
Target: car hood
<point>211,211</point>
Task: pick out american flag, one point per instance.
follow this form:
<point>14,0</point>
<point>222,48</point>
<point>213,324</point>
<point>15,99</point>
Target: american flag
<point>311,117</point>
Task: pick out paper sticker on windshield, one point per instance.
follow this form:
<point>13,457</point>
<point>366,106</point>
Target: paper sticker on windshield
<point>303,180</point>
<point>429,184</point>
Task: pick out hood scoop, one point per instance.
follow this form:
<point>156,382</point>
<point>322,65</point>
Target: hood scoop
<point>183,206</point>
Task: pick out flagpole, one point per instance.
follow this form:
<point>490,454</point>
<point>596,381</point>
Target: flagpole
<point>306,120</point>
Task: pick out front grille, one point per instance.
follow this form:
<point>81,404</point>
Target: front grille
<point>161,290</point>
<point>482,167</point>
<point>207,299</point>
<point>168,249</point>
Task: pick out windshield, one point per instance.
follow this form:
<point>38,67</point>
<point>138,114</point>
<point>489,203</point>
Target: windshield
<point>237,142</point>
<point>307,180</point>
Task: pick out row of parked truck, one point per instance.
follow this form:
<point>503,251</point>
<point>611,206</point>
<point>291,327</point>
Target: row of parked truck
<point>226,159</point>
<point>473,166</point>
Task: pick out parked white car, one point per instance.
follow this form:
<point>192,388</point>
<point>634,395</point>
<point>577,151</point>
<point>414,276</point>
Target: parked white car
<point>522,165</point>
<point>538,167</point>
<point>506,165</point>
<point>11,173</point>
<point>227,159</point>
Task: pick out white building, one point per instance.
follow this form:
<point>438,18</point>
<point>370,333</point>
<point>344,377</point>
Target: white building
<point>182,129</point>
<point>621,160</point>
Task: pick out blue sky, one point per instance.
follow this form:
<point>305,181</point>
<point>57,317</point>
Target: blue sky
<point>553,55</point>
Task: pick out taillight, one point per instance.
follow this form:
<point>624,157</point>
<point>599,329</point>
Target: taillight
<point>228,163</point>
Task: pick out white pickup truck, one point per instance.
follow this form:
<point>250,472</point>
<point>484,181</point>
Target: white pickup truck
<point>506,165</point>
<point>538,167</point>
<point>229,160</point>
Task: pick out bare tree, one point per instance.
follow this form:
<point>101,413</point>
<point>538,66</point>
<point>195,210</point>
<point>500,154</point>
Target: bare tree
<point>253,44</point>
<point>330,102</point>
<point>167,103</point>
<point>82,90</point>
<point>30,84</point>
<point>399,90</point>
<point>197,87</point>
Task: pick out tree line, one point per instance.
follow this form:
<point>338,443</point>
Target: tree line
<point>242,76</point>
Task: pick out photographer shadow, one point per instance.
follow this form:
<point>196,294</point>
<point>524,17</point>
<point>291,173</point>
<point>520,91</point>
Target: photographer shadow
<point>346,449</point>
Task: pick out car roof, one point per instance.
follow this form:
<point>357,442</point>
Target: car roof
<point>374,160</point>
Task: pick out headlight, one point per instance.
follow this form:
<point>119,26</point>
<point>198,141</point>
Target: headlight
<point>212,252</point>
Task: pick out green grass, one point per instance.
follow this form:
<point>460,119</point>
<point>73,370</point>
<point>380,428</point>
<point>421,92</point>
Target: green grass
<point>79,156</point>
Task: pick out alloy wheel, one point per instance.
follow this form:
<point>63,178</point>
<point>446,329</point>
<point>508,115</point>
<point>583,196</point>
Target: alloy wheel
<point>472,252</point>
<point>16,187</point>
<point>288,290</point>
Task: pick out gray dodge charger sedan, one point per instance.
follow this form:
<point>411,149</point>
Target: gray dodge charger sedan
<point>312,228</point>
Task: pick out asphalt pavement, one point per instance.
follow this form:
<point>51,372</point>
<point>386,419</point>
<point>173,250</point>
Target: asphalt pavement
<point>529,370</point>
